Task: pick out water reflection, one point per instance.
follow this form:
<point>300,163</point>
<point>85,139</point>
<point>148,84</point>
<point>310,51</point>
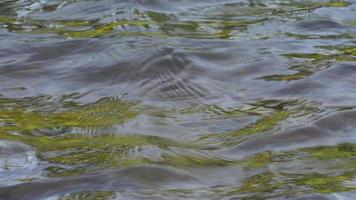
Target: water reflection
<point>235,99</point>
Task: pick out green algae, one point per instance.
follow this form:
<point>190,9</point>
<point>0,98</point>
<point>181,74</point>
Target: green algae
<point>258,160</point>
<point>103,113</point>
<point>342,151</point>
<point>318,182</point>
<point>102,30</point>
<point>255,187</point>
<point>83,154</point>
<point>89,195</point>
<point>339,53</point>
<point>315,5</point>
<point>260,183</point>
<point>90,29</point>
<point>194,160</point>
<point>287,77</point>
<point>337,4</point>
<point>305,55</point>
<point>322,183</point>
<point>98,151</point>
<point>277,182</point>
<point>314,62</point>
<point>270,115</point>
<point>264,124</point>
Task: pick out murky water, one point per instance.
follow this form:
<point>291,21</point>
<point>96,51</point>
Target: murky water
<point>178,99</point>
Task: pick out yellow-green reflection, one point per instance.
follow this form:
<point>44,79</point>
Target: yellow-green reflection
<point>264,124</point>
<point>107,112</point>
<point>90,195</point>
<point>154,24</point>
<point>89,153</point>
<point>315,62</point>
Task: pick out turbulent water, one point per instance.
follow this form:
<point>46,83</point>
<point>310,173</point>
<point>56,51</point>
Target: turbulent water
<point>177,99</point>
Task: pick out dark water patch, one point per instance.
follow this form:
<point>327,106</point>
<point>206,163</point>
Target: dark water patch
<point>338,122</point>
<point>316,87</point>
<point>284,140</point>
<point>319,25</point>
<point>332,130</point>
<point>131,178</point>
<point>163,74</point>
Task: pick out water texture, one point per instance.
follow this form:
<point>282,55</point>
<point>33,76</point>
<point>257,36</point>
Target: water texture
<point>177,99</point>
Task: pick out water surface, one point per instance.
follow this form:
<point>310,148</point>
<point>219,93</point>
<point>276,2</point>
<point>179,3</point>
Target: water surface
<point>178,99</point>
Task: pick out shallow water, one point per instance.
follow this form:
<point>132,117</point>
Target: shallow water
<point>179,99</point>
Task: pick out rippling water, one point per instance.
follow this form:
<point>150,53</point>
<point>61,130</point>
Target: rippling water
<point>178,99</point>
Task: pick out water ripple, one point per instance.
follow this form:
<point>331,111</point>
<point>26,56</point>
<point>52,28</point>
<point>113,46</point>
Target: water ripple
<point>204,99</point>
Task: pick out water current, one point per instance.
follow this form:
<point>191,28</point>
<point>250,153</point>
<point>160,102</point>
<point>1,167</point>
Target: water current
<point>177,99</point>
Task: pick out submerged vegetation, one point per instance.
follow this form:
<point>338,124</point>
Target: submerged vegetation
<point>17,116</point>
